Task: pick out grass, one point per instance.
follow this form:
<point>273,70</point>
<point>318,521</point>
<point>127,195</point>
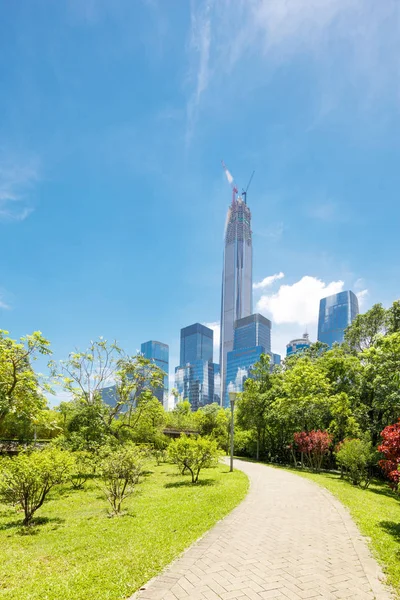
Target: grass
<point>76,552</point>
<point>376,511</point>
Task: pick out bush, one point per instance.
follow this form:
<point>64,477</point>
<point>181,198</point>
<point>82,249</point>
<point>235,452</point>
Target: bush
<point>356,457</point>
<point>27,478</point>
<point>390,448</point>
<point>192,455</point>
<point>120,470</point>
<point>314,445</point>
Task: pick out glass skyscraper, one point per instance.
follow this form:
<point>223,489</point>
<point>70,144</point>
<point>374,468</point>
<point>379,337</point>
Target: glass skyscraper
<point>196,343</point>
<point>298,345</point>
<point>237,277</point>
<point>159,354</point>
<point>252,337</point>
<point>336,312</point>
<point>196,376</point>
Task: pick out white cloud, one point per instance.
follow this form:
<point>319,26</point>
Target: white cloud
<point>215,326</point>
<point>362,295</point>
<point>298,303</point>
<point>268,281</point>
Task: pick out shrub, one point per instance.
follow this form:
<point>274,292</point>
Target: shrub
<point>390,448</point>
<point>356,457</point>
<point>192,455</point>
<point>120,470</point>
<point>82,469</point>
<point>314,445</point>
<point>27,478</point>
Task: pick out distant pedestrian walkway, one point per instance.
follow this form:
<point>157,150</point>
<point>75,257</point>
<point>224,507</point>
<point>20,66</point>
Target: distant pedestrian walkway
<point>288,539</point>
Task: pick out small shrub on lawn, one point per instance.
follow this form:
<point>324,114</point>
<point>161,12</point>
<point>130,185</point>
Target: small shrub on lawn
<point>120,470</point>
<point>356,456</point>
<point>27,478</point>
<point>192,455</point>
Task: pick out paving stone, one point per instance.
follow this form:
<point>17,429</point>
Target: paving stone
<point>288,539</point>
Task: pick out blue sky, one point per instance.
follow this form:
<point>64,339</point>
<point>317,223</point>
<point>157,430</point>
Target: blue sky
<point>114,117</point>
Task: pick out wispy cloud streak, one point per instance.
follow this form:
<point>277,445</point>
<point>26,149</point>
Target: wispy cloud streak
<point>16,180</point>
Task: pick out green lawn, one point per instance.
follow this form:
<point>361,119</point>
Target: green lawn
<point>377,514</point>
<point>79,553</point>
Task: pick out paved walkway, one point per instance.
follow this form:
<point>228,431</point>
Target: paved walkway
<point>287,539</point>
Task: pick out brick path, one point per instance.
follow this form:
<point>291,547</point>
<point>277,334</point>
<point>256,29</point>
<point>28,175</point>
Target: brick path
<point>288,539</point>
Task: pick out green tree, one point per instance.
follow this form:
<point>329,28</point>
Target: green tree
<point>393,318</point>
<point>120,470</point>
<point>306,392</point>
<point>20,388</point>
<point>213,421</point>
<point>27,478</point>
<point>252,408</point>
<point>364,330</point>
<point>379,390</point>
<point>85,374</point>
<point>193,455</point>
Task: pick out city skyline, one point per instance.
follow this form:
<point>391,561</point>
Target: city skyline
<point>112,196</point>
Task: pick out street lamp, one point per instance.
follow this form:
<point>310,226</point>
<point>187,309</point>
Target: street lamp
<point>232,398</point>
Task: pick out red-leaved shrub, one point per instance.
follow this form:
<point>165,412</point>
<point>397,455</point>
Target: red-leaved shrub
<point>314,444</point>
<point>390,448</point>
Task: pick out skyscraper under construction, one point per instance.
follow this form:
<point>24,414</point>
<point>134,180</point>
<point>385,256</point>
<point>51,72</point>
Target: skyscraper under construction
<point>237,275</point>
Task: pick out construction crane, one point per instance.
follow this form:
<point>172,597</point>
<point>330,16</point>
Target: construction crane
<point>230,180</point>
<point>244,192</point>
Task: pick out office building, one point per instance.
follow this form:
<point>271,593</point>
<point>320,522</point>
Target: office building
<point>196,344</point>
<point>237,277</point>
<point>276,360</point>
<point>195,376</point>
<point>158,353</point>
<point>298,345</point>
<point>336,313</point>
<point>252,337</point>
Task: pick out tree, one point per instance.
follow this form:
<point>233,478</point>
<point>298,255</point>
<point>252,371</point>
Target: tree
<point>252,408</point>
<point>213,421</point>
<point>86,374</point>
<point>364,330</point>
<point>305,402</point>
<point>314,445</point>
<point>393,318</point>
<point>181,416</point>
<point>390,448</point>
<point>20,389</point>
<point>193,455</point>
<point>27,478</point>
<point>120,470</point>
<point>378,402</point>
<point>356,456</point>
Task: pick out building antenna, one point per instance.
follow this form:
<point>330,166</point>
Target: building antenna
<point>231,181</point>
<point>244,192</point>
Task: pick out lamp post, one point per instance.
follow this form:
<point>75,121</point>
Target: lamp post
<point>232,398</point>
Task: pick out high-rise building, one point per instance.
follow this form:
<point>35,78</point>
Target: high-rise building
<point>159,354</point>
<point>196,343</point>
<point>297,345</point>
<point>237,277</point>
<point>276,360</point>
<point>336,312</point>
<point>252,337</point>
<point>195,377</point>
